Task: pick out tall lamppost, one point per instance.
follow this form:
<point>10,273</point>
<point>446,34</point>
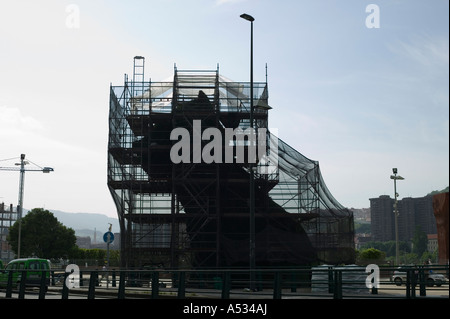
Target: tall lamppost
<point>251,166</point>
<point>395,178</point>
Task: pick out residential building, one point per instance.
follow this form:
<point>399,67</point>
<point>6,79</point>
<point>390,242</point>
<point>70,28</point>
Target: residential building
<point>412,212</point>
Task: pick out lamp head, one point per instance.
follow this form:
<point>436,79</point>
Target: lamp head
<point>247,17</point>
<point>394,170</point>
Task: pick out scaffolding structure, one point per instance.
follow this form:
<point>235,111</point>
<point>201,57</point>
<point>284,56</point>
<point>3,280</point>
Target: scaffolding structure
<point>195,214</point>
<point>8,216</point>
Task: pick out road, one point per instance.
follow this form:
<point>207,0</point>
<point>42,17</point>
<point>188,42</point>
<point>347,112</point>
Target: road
<point>393,290</point>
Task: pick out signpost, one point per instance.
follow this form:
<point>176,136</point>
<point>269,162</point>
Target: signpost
<point>108,238</point>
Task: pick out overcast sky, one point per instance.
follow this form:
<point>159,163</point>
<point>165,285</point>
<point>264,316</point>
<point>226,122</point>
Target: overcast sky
<point>357,96</point>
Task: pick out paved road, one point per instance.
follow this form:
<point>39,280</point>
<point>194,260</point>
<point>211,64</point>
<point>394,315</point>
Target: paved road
<point>392,289</point>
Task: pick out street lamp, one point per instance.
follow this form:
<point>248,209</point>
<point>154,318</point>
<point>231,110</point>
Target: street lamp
<point>395,178</point>
<point>252,177</point>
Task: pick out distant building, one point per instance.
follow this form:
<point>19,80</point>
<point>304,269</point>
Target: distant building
<point>115,245</point>
<point>86,242</point>
<point>382,218</point>
<point>432,244</point>
<point>361,214</point>
<point>83,242</point>
<point>412,212</point>
<point>361,239</point>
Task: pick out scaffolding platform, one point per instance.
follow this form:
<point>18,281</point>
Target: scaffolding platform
<point>196,214</point>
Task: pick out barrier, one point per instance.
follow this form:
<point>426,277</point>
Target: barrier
<point>324,281</point>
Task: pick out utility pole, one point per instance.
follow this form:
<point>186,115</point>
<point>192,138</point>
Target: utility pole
<point>20,206</point>
<point>395,178</point>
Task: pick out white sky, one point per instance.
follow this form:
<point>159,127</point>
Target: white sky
<point>358,100</point>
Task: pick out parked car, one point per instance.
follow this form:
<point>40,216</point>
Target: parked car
<point>34,267</point>
<point>400,275</point>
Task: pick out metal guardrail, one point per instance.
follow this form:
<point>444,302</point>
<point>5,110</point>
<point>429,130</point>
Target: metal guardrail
<point>318,282</point>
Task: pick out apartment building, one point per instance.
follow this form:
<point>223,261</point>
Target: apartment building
<point>412,212</point>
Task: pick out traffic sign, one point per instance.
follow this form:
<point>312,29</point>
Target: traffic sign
<point>108,237</point>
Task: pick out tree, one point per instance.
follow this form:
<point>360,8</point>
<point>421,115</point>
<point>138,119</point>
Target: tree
<point>42,235</point>
<point>420,241</point>
<point>388,246</point>
<point>371,256</point>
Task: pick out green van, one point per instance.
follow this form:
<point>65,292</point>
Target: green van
<point>34,267</point>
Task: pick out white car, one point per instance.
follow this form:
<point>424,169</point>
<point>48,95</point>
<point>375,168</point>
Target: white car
<point>432,279</point>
